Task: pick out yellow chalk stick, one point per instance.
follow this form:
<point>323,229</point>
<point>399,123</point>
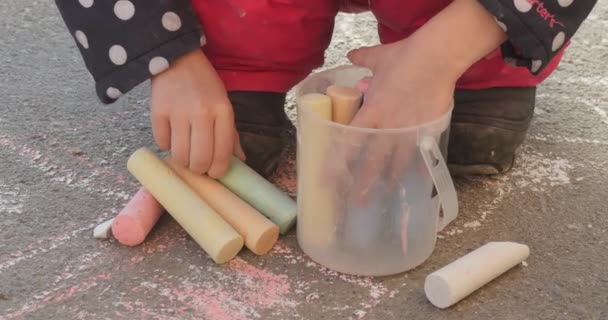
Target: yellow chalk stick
<point>345,103</point>
<point>260,234</point>
<point>316,218</point>
<point>200,221</point>
<point>318,103</point>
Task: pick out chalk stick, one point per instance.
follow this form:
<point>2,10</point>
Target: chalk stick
<point>200,221</point>
<point>135,221</point>
<point>103,230</point>
<point>345,103</point>
<point>462,277</point>
<point>318,103</point>
<point>316,223</point>
<point>261,194</point>
<point>260,234</point>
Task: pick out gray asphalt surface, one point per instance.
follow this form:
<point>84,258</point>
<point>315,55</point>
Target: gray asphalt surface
<point>63,169</point>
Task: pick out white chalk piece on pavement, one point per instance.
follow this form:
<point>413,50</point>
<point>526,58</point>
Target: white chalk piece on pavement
<point>103,230</point>
<point>462,277</point>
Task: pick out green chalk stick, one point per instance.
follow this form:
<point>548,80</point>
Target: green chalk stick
<point>260,194</point>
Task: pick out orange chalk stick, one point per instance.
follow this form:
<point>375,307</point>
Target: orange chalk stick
<point>260,234</point>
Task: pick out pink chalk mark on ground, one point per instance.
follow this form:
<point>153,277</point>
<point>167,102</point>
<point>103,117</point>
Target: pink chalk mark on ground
<point>89,163</point>
<point>136,260</point>
<point>241,292</point>
<point>166,240</point>
<point>254,290</point>
<point>42,246</point>
<point>152,249</point>
<point>281,248</point>
<point>285,175</point>
<point>275,287</point>
<point>286,178</point>
<point>376,289</point>
<point>147,314</point>
<point>60,174</point>
<point>47,297</point>
<point>59,297</point>
<point>163,239</point>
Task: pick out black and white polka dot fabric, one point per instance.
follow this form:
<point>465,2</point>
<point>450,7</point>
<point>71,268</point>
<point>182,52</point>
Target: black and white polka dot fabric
<point>537,29</point>
<point>125,42</point>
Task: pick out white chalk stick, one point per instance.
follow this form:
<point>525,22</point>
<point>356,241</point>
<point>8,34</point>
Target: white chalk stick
<point>103,230</point>
<point>462,277</point>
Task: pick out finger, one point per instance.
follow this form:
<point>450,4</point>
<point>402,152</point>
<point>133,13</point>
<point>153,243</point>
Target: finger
<point>202,146</point>
<point>371,171</point>
<point>371,157</point>
<point>180,140</point>
<point>161,130</point>
<point>402,155</point>
<point>366,117</point>
<point>362,57</point>
<point>347,148</point>
<point>367,56</point>
<point>238,149</point>
<point>223,144</point>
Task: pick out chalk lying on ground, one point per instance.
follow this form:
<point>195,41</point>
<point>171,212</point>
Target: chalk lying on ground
<point>462,277</point>
<point>261,194</point>
<point>200,221</point>
<point>135,221</point>
<point>102,230</point>
<point>316,221</point>
<point>260,234</point>
<point>345,103</point>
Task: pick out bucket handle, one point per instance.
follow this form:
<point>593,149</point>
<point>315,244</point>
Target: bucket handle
<point>440,174</point>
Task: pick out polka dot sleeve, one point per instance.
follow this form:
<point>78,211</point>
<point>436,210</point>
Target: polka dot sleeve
<point>537,29</point>
<point>124,42</point>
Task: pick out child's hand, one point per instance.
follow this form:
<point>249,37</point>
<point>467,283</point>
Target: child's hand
<point>408,89</point>
<point>192,115</point>
<point>414,79</point>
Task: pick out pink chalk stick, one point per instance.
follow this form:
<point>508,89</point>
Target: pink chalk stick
<point>363,84</point>
<point>137,218</point>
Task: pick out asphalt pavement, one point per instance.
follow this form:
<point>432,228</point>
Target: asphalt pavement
<point>63,170</point>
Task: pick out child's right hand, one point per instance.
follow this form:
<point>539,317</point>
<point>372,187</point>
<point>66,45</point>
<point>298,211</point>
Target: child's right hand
<point>192,116</point>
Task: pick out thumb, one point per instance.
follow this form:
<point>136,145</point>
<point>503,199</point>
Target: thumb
<point>365,56</point>
<point>365,117</point>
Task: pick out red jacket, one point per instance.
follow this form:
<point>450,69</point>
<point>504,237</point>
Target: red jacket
<point>270,45</point>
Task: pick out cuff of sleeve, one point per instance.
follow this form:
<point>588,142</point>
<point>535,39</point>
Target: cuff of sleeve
<point>120,81</point>
<point>524,47</point>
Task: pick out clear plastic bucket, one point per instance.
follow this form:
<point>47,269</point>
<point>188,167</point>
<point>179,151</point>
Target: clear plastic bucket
<point>374,222</point>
